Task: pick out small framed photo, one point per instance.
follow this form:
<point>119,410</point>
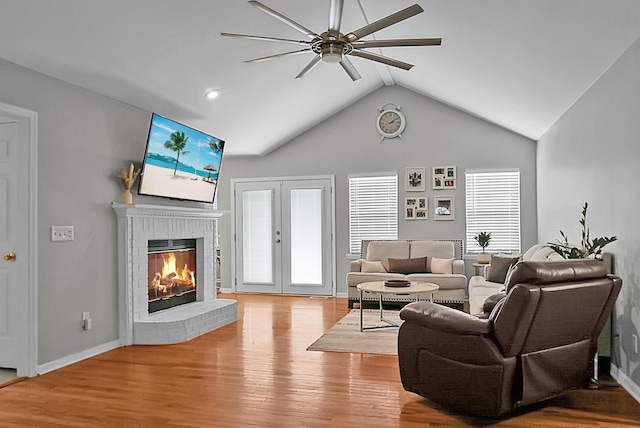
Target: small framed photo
<point>416,208</point>
<point>410,208</point>
<point>414,179</point>
<point>444,208</point>
<point>444,177</point>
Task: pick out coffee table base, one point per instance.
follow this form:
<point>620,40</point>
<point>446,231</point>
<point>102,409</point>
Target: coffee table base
<point>379,288</point>
<point>382,318</point>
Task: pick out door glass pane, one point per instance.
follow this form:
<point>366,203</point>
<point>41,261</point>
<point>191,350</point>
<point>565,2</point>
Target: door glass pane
<point>257,238</point>
<point>306,236</point>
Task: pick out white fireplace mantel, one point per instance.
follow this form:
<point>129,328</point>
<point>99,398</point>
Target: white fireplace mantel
<point>137,224</point>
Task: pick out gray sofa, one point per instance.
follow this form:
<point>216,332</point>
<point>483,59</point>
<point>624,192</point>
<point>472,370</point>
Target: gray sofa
<point>399,259</point>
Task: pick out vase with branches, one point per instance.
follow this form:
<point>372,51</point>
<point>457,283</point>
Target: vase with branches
<point>588,247</point>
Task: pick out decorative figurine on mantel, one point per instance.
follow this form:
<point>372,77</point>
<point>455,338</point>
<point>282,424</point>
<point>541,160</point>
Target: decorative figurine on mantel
<point>128,178</point>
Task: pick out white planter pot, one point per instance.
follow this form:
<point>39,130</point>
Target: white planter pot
<point>484,258</point>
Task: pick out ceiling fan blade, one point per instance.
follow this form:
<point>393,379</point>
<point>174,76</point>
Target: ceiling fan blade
<point>350,69</point>
<point>335,17</point>
<point>268,39</point>
<point>382,59</point>
<point>384,23</point>
<point>284,19</point>
<point>309,67</point>
<point>265,58</point>
<point>397,42</point>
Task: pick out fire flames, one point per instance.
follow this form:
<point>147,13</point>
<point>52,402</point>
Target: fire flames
<point>172,280</point>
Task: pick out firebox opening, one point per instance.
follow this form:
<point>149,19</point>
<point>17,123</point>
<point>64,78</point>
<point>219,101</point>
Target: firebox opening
<point>171,273</point>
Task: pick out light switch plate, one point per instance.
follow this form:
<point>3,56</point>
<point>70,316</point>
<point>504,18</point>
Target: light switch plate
<point>62,233</point>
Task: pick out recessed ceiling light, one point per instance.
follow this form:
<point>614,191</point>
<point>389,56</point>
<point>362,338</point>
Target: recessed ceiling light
<point>211,94</point>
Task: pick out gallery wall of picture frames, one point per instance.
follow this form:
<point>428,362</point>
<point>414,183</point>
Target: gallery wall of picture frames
<point>416,207</point>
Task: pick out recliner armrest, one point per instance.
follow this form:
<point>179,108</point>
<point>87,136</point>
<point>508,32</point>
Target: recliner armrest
<point>492,301</point>
<point>355,266</point>
<point>445,319</point>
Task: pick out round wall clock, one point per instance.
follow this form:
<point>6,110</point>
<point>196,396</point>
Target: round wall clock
<point>390,122</point>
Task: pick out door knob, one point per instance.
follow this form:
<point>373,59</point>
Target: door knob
<point>277,241</point>
<point>10,257</point>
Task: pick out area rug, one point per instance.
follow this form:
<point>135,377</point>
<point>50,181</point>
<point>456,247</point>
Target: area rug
<point>345,335</point>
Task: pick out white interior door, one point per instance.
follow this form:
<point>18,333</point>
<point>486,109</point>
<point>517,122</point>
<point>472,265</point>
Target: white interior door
<point>283,236</point>
<point>13,254</point>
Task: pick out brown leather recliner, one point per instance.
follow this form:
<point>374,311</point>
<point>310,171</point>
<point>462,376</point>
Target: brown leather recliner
<point>538,342</point>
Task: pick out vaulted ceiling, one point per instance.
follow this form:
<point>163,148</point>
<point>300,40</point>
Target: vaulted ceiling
<point>519,64</point>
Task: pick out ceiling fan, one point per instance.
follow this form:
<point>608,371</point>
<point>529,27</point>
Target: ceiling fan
<point>333,46</point>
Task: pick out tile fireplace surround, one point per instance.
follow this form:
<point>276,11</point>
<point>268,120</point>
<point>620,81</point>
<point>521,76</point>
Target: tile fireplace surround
<point>137,224</point>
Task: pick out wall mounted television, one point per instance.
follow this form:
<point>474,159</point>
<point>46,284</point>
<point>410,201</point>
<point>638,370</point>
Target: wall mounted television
<point>180,162</point>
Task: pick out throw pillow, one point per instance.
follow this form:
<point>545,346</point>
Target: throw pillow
<point>499,267</point>
<point>372,266</point>
<point>406,266</point>
<point>441,265</point>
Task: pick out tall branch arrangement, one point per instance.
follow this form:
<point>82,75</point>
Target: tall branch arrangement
<point>588,246</point>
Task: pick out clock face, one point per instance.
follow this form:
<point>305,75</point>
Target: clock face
<point>390,123</point>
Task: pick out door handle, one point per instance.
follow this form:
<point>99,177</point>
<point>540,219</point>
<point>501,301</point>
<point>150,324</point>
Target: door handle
<point>10,257</point>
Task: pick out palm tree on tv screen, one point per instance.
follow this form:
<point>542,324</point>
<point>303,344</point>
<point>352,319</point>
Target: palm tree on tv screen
<point>177,143</point>
<point>216,145</point>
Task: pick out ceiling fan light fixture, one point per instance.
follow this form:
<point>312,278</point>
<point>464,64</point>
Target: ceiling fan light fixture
<point>331,52</point>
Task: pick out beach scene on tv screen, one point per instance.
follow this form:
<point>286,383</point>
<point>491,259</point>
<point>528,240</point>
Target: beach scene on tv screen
<point>181,162</point>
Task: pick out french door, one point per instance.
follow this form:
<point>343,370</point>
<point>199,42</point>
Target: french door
<point>283,236</point>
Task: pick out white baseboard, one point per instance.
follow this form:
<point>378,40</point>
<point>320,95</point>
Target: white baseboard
<point>79,356</point>
<point>626,382</point>
<point>339,294</point>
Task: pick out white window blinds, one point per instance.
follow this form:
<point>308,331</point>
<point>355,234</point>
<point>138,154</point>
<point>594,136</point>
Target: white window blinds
<point>373,208</point>
<point>493,205</point>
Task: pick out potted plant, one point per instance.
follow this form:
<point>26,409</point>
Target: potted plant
<point>483,239</point>
<point>589,248</point>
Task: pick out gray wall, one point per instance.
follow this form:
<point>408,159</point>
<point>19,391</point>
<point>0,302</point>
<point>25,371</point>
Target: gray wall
<point>84,140</point>
<point>349,143</point>
<point>591,155</point>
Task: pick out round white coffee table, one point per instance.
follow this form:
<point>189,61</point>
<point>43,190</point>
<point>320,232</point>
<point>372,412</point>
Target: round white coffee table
<point>379,288</point>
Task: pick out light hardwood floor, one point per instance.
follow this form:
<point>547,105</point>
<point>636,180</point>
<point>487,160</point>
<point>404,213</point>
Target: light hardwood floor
<point>257,373</point>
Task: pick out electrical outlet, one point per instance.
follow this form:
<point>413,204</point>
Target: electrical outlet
<point>86,315</point>
<point>62,233</point>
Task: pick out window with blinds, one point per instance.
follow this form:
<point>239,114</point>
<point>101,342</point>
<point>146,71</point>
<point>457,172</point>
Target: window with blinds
<point>373,208</point>
<point>493,205</point>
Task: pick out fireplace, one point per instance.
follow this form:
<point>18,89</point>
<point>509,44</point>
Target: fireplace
<point>144,229</point>
<point>171,273</point>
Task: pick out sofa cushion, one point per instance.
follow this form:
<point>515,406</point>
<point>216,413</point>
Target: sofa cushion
<point>372,266</point>
<point>382,250</point>
<point>355,278</point>
<point>541,253</point>
<point>441,265</point>
<point>500,264</point>
<point>440,249</point>
<point>446,282</point>
<point>416,265</point>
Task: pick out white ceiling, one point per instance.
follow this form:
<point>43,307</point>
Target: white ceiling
<point>519,64</point>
